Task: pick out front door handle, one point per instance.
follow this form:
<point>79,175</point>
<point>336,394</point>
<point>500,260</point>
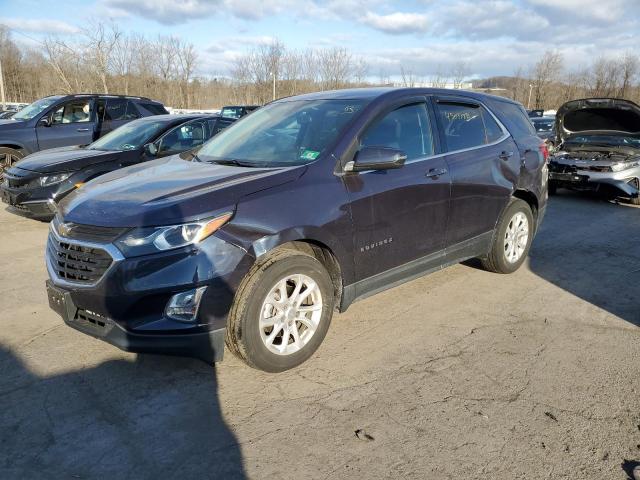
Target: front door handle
<point>435,172</point>
<point>505,155</point>
<point>83,130</point>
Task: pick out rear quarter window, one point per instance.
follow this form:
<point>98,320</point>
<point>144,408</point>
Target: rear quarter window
<point>153,108</point>
<point>514,117</point>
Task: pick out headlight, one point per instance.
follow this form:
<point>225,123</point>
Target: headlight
<point>618,167</point>
<point>142,241</point>
<point>51,179</point>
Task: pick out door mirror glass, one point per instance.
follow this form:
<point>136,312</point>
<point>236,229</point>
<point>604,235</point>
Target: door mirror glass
<point>151,149</point>
<point>377,158</point>
<point>45,121</point>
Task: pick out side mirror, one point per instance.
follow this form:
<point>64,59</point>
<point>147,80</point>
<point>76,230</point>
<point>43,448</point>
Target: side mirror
<point>45,121</point>
<point>376,158</point>
<point>151,149</point>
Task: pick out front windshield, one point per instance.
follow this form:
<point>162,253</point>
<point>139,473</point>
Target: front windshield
<point>130,136</point>
<point>30,111</point>
<point>604,140</point>
<point>282,134</point>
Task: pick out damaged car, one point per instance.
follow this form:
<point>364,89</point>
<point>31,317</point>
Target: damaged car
<point>599,148</point>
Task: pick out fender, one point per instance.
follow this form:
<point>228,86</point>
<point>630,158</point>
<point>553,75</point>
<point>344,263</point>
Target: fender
<point>257,246</point>
<point>12,143</point>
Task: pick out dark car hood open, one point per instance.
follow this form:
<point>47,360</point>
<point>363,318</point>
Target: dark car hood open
<point>65,159</point>
<point>597,116</point>
<point>167,191</point>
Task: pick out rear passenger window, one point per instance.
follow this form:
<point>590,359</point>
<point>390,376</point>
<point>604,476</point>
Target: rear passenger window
<point>467,125</point>
<point>116,109</point>
<point>492,129</point>
<point>407,129</point>
<point>132,111</point>
<point>514,117</point>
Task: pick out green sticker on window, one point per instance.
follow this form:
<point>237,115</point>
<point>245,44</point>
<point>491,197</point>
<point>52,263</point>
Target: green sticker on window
<point>309,155</point>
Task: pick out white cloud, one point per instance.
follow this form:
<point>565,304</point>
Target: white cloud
<point>396,23</point>
<point>39,25</point>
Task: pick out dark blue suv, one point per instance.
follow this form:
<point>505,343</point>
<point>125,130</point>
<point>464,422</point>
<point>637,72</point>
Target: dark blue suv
<point>67,120</point>
<point>298,209</point>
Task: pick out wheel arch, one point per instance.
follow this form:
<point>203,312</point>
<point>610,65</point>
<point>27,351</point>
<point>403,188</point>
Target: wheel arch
<point>530,199</point>
<point>14,145</point>
<point>325,249</point>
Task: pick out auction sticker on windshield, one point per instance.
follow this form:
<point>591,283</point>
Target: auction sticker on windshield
<point>309,155</point>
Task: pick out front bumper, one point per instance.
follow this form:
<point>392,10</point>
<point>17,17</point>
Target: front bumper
<point>31,203</point>
<point>207,346</point>
<point>571,177</point>
<point>126,306</point>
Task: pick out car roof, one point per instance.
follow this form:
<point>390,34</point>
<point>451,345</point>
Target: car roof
<point>103,95</point>
<point>371,93</point>
<point>184,117</point>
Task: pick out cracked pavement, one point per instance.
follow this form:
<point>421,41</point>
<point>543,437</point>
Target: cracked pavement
<point>460,374</point>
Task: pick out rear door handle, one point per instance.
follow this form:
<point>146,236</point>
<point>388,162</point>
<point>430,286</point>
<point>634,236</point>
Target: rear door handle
<point>435,172</point>
<point>506,155</point>
<point>83,130</point>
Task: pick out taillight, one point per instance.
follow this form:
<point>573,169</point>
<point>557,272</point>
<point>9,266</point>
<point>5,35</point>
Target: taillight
<point>544,151</point>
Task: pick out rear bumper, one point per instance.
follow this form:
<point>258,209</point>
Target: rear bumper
<point>204,345</point>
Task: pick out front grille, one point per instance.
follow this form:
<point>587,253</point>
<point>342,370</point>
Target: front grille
<point>89,233</point>
<point>78,263</point>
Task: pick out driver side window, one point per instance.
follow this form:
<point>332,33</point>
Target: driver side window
<point>183,137</point>
<point>77,111</point>
<point>406,128</point>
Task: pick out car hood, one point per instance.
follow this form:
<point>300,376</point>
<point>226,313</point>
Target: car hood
<point>65,159</point>
<point>167,191</point>
<point>10,124</point>
<point>597,116</point>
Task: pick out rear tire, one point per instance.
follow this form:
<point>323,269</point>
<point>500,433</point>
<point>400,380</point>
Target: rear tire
<point>272,325</point>
<point>8,157</point>
<point>511,240</point>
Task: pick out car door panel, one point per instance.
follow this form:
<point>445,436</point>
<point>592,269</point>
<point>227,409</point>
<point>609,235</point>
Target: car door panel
<point>399,215</point>
<point>63,133</point>
<point>483,165</point>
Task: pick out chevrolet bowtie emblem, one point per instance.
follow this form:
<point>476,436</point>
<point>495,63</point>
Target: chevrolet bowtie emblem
<point>64,229</point>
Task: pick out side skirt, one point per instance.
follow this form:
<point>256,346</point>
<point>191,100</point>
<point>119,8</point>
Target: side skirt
<point>419,267</point>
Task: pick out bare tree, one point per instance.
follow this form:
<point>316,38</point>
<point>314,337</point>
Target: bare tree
<point>100,45</point>
<point>545,72</point>
<point>459,72</point>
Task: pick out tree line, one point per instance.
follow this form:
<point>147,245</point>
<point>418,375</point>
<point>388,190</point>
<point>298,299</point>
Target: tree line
<point>101,58</point>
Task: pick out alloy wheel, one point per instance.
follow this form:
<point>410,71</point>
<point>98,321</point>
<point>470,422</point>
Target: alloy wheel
<point>516,237</point>
<point>290,314</point>
<point>6,161</point>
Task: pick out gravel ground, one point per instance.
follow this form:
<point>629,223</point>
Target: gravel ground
<point>460,374</point>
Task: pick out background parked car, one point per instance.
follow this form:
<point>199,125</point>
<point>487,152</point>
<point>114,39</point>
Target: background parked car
<point>545,128</point>
<point>65,120</point>
<point>34,186</point>
<point>7,114</point>
<point>237,111</point>
<point>599,149</point>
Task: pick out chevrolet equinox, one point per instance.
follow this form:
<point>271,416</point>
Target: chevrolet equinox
<point>297,210</point>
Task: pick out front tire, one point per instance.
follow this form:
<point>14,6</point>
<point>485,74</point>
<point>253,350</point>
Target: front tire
<point>8,157</point>
<point>511,240</point>
<point>281,312</point>
<point>552,187</point>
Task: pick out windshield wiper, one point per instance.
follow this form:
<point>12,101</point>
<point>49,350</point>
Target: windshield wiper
<point>232,161</point>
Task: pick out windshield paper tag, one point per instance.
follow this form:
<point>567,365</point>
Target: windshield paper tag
<point>309,155</point>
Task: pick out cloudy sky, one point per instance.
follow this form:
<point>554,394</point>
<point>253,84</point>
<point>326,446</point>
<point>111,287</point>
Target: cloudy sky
<point>493,36</point>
